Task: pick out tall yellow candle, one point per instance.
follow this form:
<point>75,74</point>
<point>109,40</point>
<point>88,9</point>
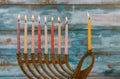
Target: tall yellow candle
<point>32,34</point>
<point>25,35</point>
<point>66,36</point>
<point>59,36</point>
<point>89,33</point>
<point>46,39</point>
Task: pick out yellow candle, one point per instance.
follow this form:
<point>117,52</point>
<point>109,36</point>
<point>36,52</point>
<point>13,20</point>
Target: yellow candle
<point>45,32</point>
<point>32,34</point>
<point>59,36</point>
<point>89,33</point>
<point>25,35</point>
<point>66,36</point>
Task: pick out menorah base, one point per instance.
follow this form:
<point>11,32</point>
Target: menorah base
<point>36,60</point>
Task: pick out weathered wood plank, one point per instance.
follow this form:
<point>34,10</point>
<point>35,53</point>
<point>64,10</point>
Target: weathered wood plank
<point>105,36</point>
<point>59,1</point>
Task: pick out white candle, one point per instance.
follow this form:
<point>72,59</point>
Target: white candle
<point>66,36</point>
<point>32,34</point>
<point>45,32</point>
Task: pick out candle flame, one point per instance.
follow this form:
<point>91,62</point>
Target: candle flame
<point>58,19</point>
<point>45,19</point>
<point>66,18</point>
<point>18,16</point>
<point>52,19</point>
<point>88,14</point>
<point>25,18</point>
<point>38,18</point>
<point>32,17</point>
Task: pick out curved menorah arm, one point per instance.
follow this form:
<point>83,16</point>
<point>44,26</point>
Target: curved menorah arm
<point>33,56</point>
<point>42,66</point>
<point>61,65</point>
<point>88,69</point>
<point>56,67</point>
<point>48,65</point>
<point>82,74</point>
<point>29,67</point>
<point>67,63</point>
<point>19,59</point>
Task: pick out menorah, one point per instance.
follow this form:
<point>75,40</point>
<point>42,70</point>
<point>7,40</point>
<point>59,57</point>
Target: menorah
<point>59,68</point>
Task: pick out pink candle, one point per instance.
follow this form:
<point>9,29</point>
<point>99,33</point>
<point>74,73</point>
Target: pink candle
<point>45,32</point>
<point>59,36</point>
<point>66,36</point>
<point>32,34</point>
<point>39,35</point>
<point>18,35</point>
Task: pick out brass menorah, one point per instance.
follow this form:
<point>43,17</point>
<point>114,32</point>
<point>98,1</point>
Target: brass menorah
<point>59,68</point>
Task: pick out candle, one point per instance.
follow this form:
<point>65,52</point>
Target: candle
<point>32,34</point>
<point>66,36</point>
<point>59,36</point>
<point>39,35</point>
<point>89,33</point>
<point>45,32</point>
<point>18,35</point>
<point>52,36</point>
<point>25,35</point>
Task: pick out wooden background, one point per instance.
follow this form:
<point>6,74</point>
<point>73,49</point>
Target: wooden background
<point>105,18</point>
<point>60,1</point>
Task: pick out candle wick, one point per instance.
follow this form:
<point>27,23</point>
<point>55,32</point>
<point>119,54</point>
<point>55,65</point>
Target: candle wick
<point>66,22</point>
<point>25,21</point>
<point>45,23</point>
<point>88,17</point>
<point>52,22</point>
<point>58,21</point>
<point>18,20</point>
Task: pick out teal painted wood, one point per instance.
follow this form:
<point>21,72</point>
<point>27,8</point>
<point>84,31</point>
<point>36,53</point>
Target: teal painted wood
<point>59,1</point>
<point>105,35</point>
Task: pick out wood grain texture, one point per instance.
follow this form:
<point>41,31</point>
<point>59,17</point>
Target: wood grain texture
<point>105,36</point>
<point>59,2</point>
